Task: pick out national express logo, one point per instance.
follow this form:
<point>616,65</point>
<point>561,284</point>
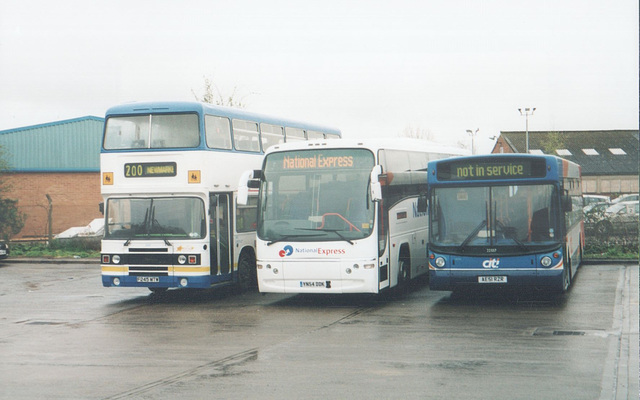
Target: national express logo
<point>318,251</point>
<point>286,251</point>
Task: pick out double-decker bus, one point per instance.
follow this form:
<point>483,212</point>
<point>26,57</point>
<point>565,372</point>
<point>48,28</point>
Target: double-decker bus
<point>169,182</point>
<point>342,216</point>
<point>504,220</point>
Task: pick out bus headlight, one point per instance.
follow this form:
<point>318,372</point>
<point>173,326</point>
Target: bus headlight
<point>440,262</point>
<point>182,259</point>
<point>115,259</point>
<point>183,282</point>
<point>116,281</point>
<point>545,261</point>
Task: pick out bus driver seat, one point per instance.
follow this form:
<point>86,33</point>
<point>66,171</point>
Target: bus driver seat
<point>540,225</point>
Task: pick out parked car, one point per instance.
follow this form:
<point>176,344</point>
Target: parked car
<point>594,212</point>
<point>619,218</point>
<point>626,197</point>
<point>4,250</point>
<point>595,198</point>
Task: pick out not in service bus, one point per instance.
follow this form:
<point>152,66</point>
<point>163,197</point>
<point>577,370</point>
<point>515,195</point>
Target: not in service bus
<point>504,220</point>
<point>342,216</point>
<point>169,182</point>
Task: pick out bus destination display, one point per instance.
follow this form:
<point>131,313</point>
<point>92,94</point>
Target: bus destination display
<point>149,170</point>
<point>484,169</point>
<point>312,160</point>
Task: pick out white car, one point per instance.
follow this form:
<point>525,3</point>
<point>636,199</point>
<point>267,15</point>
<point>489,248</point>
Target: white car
<point>626,197</point>
<point>619,218</point>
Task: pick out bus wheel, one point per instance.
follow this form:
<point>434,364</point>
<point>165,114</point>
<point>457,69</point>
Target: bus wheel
<point>566,277</point>
<point>404,270</point>
<point>247,276</point>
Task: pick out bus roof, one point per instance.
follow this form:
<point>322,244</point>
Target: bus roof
<point>160,107</point>
<point>548,157</point>
<point>373,144</point>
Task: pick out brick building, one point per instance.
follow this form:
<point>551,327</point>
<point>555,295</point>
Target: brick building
<point>60,159</point>
<point>609,159</point>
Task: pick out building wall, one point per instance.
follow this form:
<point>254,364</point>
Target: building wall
<point>610,184</point>
<point>75,199</point>
<point>501,146</point>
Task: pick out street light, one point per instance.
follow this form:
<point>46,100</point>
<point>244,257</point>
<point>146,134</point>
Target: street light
<point>472,134</point>
<point>527,111</point>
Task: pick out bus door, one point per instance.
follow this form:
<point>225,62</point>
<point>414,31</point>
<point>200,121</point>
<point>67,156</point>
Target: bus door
<point>383,248</point>
<point>220,238</point>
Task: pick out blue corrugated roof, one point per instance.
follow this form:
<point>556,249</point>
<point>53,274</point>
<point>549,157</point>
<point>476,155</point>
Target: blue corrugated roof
<point>71,145</point>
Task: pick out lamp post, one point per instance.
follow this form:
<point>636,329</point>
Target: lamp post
<point>472,134</point>
<point>527,111</point>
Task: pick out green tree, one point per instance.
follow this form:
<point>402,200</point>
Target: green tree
<point>552,142</point>
<point>11,219</point>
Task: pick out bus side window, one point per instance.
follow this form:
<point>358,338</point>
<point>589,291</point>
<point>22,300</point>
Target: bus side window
<point>218,132</point>
<point>245,135</point>
<point>293,134</point>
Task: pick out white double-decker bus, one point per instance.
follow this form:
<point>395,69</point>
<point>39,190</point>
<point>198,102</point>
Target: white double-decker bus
<point>169,182</point>
<point>342,216</point>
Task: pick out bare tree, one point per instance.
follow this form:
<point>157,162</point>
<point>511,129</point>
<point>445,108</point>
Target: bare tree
<point>417,133</point>
<point>213,95</point>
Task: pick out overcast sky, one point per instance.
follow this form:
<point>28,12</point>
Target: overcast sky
<point>370,68</point>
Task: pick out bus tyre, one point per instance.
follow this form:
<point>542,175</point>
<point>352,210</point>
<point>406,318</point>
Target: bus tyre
<point>247,276</point>
<point>566,276</point>
<point>404,270</point>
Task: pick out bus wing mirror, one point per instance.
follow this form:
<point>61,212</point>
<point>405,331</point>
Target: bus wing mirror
<point>248,180</point>
<point>376,188</point>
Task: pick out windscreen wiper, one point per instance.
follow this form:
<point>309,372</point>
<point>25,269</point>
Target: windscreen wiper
<point>473,234</point>
<point>337,233</point>
<point>328,230</point>
<point>510,233</point>
<point>289,237</point>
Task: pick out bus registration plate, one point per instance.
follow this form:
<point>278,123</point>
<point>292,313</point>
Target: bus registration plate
<point>312,284</point>
<point>148,279</point>
<point>492,279</point>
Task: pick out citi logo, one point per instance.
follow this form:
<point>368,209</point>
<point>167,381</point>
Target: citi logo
<point>491,263</point>
<point>286,251</point>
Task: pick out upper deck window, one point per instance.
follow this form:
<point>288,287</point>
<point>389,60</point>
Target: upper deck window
<point>294,134</point>
<point>218,132</point>
<point>246,136</point>
<point>315,135</point>
<point>271,135</point>
<point>157,131</point>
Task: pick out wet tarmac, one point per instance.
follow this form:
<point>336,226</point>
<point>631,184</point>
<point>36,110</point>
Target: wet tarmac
<point>64,336</point>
